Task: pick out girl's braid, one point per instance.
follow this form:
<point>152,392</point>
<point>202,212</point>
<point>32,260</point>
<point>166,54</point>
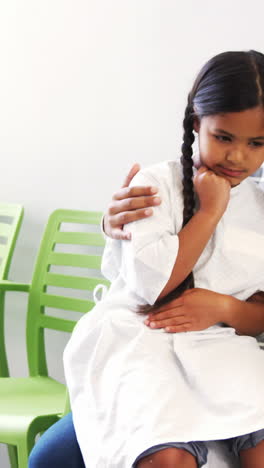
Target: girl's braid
<point>187,164</point>
<point>188,193</point>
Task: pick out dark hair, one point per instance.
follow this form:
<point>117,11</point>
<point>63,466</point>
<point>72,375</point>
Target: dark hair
<point>228,82</point>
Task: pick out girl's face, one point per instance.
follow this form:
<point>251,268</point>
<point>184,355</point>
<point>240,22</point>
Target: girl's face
<point>232,144</point>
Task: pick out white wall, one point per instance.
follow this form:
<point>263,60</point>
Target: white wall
<point>86,89</point>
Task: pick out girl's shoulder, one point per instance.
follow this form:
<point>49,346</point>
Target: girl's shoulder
<point>168,173</point>
<point>250,195</point>
<point>255,189</point>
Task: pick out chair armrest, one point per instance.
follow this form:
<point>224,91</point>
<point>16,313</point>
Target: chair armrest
<point>6,285</point>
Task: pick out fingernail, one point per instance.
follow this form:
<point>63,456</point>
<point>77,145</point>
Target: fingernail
<point>148,212</point>
<point>156,200</point>
<point>153,190</point>
<point>152,325</point>
<point>146,322</point>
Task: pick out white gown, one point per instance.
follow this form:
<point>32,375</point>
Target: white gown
<point>132,387</point>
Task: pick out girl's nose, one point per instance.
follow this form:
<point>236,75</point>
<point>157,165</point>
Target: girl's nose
<point>236,155</point>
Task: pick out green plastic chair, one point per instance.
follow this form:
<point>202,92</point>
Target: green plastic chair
<point>28,406</point>
<point>10,222</point>
<point>11,216</point>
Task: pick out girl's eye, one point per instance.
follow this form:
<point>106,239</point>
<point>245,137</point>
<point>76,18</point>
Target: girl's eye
<point>256,144</point>
<point>227,139</point>
<point>222,138</point>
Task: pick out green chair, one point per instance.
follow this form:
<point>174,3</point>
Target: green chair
<point>10,222</point>
<point>28,406</point>
<point>11,216</point>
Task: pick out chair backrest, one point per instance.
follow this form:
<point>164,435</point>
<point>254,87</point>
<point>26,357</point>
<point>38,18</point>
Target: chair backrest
<point>10,221</point>
<point>66,232</point>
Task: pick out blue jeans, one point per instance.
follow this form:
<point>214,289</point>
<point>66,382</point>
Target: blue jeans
<point>57,447</point>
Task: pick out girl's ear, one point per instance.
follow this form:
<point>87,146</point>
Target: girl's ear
<point>196,124</point>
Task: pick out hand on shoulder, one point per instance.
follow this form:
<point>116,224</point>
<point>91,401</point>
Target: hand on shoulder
<point>129,204</point>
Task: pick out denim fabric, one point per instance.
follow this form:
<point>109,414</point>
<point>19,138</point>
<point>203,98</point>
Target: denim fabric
<point>57,447</point>
<point>197,449</point>
<point>245,441</point>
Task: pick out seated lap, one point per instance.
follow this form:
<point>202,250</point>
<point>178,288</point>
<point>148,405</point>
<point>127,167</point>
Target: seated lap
<point>58,447</point>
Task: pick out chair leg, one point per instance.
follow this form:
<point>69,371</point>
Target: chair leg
<point>23,454</point>
<point>12,453</point>
<point>4,372</point>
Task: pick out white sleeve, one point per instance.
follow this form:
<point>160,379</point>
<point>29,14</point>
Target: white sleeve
<point>149,257</point>
<point>111,260</point>
<point>111,256</point>
<point>102,227</point>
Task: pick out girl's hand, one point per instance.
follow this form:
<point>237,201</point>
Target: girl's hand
<point>213,191</point>
<point>196,309</point>
<point>129,204</point>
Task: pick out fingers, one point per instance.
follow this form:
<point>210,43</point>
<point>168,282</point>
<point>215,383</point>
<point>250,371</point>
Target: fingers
<point>171,324</point>
<point>128,205</point>
<point>119,234</point>
<point>126,217</point>
<point>164,322</point>
<point>169,321</point>
<point>168,308</point>
<point>131,204</point>
<point>202,169</point>
<point>176,315</point>
<point>131,209</point>
<point>178,328</point>
<point>133,171</point>
<point>170,316</point>
<point>131,192</point>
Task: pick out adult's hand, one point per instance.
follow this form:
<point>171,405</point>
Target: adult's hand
<point>196,309</point>
<point>129,204</point>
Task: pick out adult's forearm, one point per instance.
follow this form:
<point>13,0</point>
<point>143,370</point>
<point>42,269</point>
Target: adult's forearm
<point>247,317</point>
<point>192,241</point>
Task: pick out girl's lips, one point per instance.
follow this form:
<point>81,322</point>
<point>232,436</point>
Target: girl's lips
<point>231,172</point>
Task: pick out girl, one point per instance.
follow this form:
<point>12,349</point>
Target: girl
<point>153,390</point>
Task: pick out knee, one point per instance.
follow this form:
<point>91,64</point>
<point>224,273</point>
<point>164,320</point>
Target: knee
<point>169,458</point>
<point>36,459</point>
